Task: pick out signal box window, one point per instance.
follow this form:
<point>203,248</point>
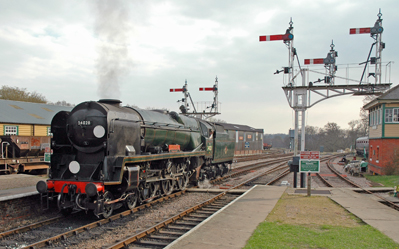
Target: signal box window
<point>10,130</point>
<point>391,115</point>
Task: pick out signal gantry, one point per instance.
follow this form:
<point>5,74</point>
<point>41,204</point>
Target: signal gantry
<point>214,107</point>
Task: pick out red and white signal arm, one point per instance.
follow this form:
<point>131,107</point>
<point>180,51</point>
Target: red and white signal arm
<point>310,155</point>
<point>176,90</point>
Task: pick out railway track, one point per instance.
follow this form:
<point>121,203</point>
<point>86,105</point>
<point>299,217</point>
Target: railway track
<point>353,184</point>
<point>258,157</point>
<point>245,169</point>
<point>90,225</point>
<point>165,232</point>
<point>79,229</point>
<point>154,237</point>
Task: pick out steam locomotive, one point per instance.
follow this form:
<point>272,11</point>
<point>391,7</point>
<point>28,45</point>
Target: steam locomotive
<point>105,156</point>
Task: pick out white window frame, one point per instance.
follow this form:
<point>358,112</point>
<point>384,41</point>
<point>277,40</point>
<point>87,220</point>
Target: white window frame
<point>11,130</point>
<point>391,115</point>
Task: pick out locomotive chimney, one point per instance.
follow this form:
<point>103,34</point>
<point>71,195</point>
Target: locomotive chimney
<point>115,102</point>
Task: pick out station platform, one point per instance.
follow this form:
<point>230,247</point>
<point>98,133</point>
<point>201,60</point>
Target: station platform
<point>18,185</point>
<point>369,209</point>
<point>233,225</point>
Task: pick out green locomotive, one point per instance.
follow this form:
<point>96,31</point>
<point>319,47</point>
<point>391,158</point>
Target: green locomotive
<point>105,155</point>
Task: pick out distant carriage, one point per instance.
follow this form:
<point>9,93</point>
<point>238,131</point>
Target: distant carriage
<point>362,146</point>
<point>266,146</point>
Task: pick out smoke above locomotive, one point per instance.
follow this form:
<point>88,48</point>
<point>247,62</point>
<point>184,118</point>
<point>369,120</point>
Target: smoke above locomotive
<point>112,29</point>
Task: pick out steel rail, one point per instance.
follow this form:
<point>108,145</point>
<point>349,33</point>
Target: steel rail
<point>124,243</point>
<point>50,241</point>
<point>387,202</point>
<point>248,168</point>
<point>63,236</point>
<point>163,224</point>
<point>284,173</point>
<point>324,180</point>
<point>327,183</point>
<point>340,176</point>
<point>31,226</point>
<point>258,157</point>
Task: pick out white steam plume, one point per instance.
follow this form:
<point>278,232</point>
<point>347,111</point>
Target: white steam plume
<point>112,29</point>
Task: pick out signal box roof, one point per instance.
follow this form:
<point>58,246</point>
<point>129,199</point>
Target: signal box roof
<point>19,112</point>
<point>390,96</point>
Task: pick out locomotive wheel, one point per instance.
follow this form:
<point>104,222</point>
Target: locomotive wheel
<point>143,193</point>
<point>182,182</point>
<point>131,200</point>
<point>61,201</point>
<point>108,208</point>
<point>167,186</point>
<point>153,188</point>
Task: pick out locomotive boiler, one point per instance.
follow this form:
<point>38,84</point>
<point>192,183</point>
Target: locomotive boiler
<point>105,156</point>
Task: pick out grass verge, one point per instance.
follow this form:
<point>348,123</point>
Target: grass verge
<point>315,222</point>
<point>387,181</point>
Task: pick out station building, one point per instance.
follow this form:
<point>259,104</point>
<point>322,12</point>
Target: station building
<point>249,140</point>
<point>25,132</point>
<point>383,131</point>
<point>27,119</point>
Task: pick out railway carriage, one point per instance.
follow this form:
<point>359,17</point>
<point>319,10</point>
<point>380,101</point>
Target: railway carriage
<point>105,156</point>
<point>362,146</point>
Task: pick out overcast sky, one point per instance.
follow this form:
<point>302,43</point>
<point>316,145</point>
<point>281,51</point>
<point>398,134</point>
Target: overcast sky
<point>137,50</point>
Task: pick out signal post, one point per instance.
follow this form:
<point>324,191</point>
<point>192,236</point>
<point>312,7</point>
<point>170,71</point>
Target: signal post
<point>299,95</point>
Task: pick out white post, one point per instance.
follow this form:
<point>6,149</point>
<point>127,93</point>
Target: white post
<point>296,133</point>
<point>303,131</point>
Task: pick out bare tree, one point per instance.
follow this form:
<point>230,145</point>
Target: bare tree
<point>132,106</point>
<point>62,103</point>
<point>333,137</point>
<point>21,94</point>
<point>312,138</point>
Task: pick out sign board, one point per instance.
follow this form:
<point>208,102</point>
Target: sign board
<point>312,166</point>
<point>310,155</point>
<point>47,157</point>
<point>246,144</point>
<point>309,161</point>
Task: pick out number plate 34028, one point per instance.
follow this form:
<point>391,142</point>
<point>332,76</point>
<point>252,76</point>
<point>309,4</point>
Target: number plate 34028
<point>84,123</point>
